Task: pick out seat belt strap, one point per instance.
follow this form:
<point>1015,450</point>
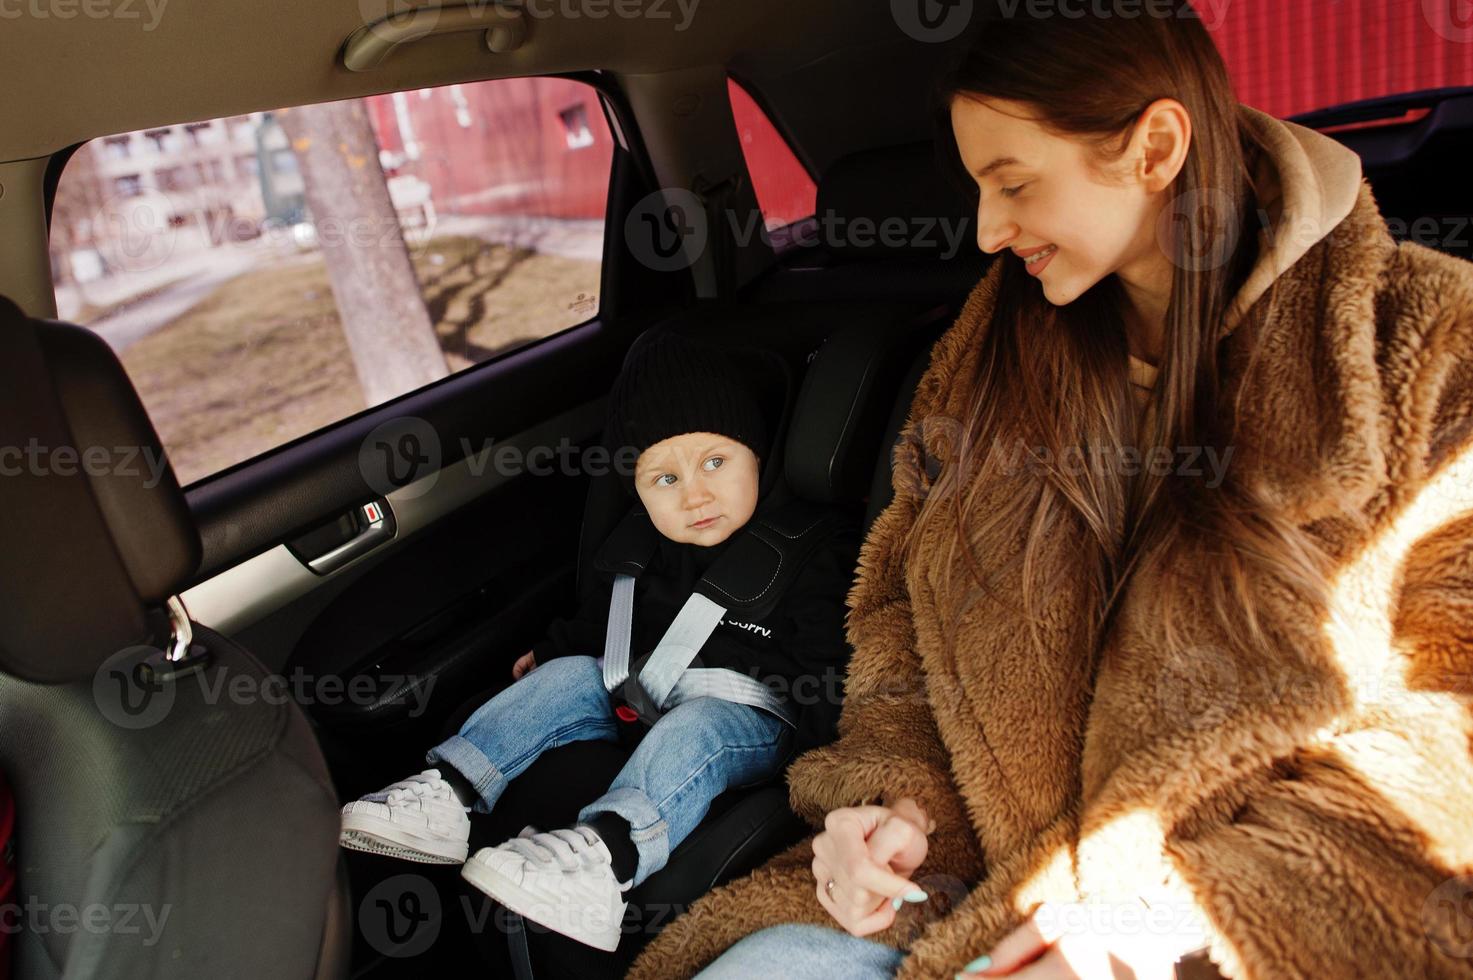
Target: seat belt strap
<point>616,638</point>
<point>690,630</point>
<point>667,676</point>
<point>730,685</point>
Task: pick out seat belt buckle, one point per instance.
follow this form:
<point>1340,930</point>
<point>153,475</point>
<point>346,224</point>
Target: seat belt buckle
<point>633,729</point>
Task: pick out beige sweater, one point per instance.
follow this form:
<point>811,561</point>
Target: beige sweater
<point>1310,803</point>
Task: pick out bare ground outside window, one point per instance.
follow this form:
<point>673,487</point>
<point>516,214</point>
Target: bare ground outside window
<point>262,360</point>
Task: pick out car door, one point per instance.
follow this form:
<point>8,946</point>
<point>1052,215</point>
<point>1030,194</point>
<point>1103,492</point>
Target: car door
<point>389,562</point>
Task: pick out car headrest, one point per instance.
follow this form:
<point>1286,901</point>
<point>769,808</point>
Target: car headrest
<point>97,532</point>
<point>900,188</point>
<point>838,425</point>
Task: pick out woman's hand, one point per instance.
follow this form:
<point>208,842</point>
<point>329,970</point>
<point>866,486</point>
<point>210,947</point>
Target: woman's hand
<point>1067,942</point>
<point>524,663</point>
<point>868,852</point>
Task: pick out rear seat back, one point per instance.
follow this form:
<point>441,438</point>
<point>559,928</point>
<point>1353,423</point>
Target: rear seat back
<point>887,225</point>
<point>852,406</point>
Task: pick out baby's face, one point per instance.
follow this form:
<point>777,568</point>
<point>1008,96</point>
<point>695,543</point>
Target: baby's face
<point>698,487</point>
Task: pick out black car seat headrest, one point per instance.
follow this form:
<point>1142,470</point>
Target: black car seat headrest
<point>838,429</point>
<point>894,201</point>
<point>97,531</point>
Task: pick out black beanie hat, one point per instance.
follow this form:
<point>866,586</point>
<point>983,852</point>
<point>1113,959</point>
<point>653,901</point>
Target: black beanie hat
<point>673,385</point>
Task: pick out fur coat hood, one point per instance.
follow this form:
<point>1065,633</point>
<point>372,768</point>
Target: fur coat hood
<point>1306,810</point>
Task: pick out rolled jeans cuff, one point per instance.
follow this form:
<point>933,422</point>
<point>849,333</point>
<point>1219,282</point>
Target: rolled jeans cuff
<point>471,763</point>
<point>647,829</point>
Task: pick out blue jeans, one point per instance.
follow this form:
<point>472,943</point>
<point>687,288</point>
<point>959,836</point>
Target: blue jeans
<point>804,952</point>
<point>695,752</point>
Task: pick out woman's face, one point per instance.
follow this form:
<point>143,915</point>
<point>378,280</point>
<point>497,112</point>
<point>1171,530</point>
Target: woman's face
<point>1041,194</point>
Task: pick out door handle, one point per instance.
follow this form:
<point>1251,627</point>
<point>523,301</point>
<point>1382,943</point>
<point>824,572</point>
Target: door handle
<point>328,548</point>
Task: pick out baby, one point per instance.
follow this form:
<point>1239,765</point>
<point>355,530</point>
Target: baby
<point>700,438</point>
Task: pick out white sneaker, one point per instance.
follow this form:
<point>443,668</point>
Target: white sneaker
<point>417,819</point>
<point>563,879</point>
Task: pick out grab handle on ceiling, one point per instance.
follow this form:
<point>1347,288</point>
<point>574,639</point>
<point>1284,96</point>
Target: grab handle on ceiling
<point>505,26</point>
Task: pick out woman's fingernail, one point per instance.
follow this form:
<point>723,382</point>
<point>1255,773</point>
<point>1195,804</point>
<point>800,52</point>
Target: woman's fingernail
<point>980,963</point>
<point>916,896</point>
<point>895,904</point>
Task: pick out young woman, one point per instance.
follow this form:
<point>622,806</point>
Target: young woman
<point>1163,645</point>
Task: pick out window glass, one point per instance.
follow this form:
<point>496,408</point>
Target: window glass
<point>263,276</point>
<point>785,191</point>
<point>1289,58</point>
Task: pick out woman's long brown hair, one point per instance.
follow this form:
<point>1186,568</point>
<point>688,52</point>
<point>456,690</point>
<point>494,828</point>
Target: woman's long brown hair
<point>1056,379</point>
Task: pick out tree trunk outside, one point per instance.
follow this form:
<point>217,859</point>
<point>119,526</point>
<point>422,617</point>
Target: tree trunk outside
<point>394,345</point>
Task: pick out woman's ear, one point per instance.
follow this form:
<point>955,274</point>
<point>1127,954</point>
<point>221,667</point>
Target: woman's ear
<point>1163,135</point>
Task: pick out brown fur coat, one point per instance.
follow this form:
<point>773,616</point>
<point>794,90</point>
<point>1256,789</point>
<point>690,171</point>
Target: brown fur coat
<point>1312,803</point>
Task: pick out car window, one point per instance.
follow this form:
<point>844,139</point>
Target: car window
<point>1289,58</point>
<point>785,191</point>
<point>265,275</point>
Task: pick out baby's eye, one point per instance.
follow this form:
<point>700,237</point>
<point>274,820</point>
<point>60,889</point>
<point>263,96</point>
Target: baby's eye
<point>718,460</point>
<point>659,480</point>
<point>1013,191</point>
